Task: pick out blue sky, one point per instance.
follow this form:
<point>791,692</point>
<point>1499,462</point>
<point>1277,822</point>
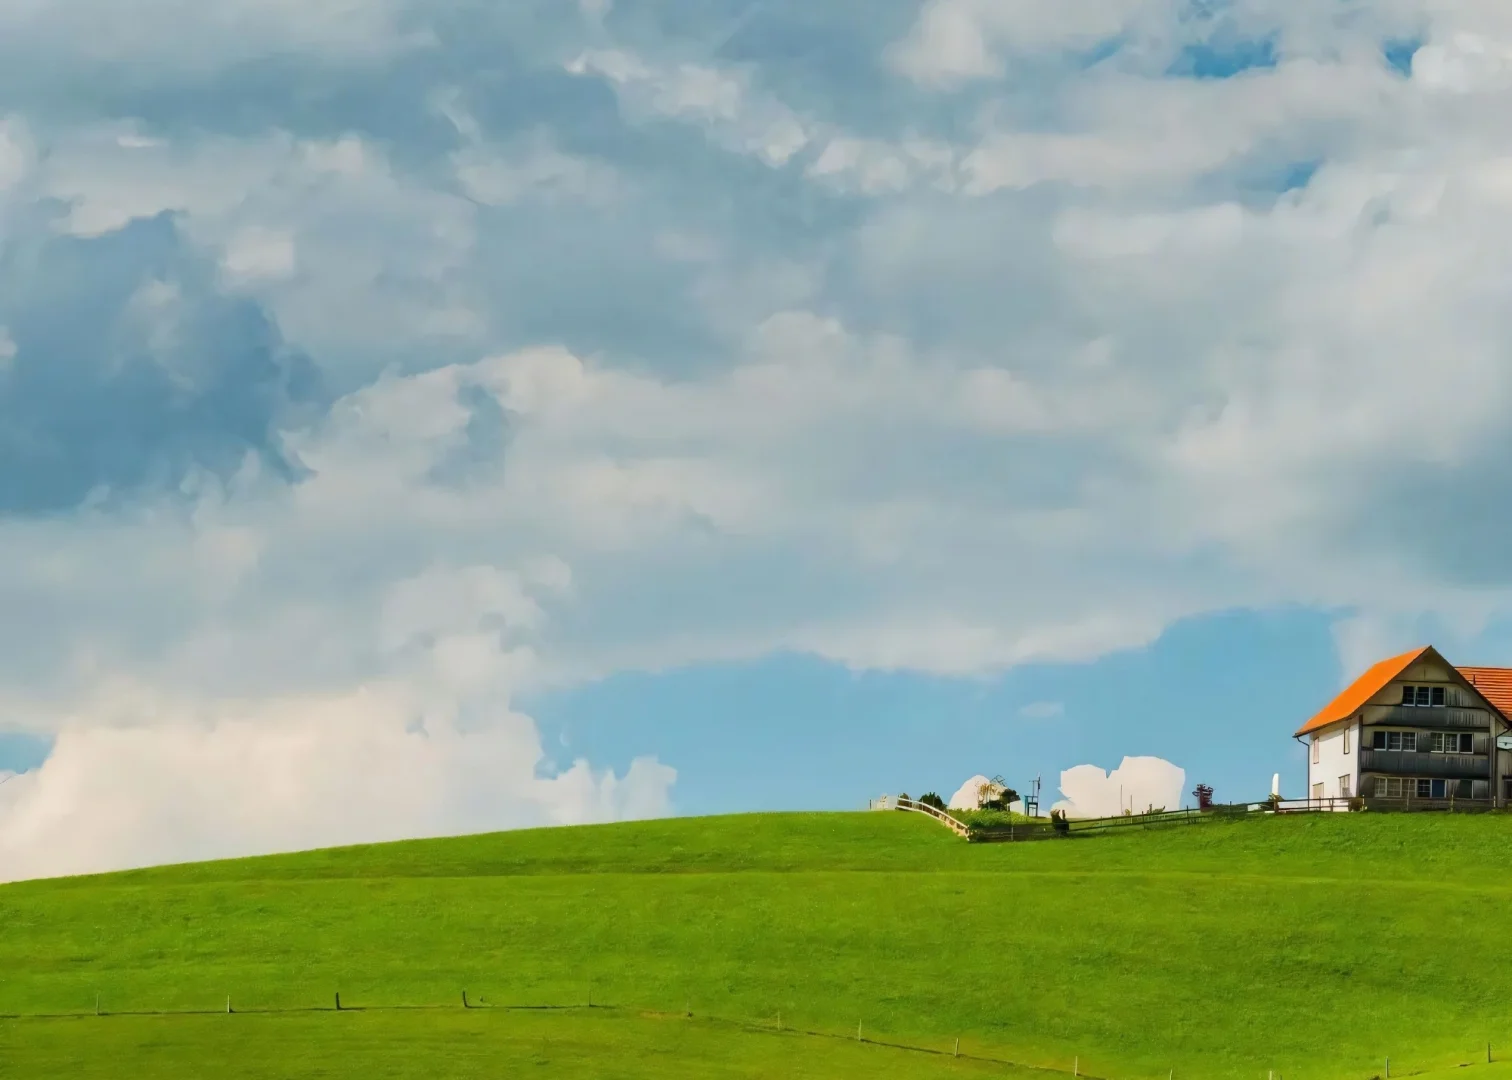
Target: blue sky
<point>444,417</point>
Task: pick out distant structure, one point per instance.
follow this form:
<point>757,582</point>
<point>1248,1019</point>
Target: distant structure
<point>1031,801</point>
<point>1415,727</point>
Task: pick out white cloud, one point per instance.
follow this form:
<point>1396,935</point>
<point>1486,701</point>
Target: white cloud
<point>306,772</point>
<point>1138,783</point>
<point>346,251</point>
<point>177,37</point>
<point>1042,710</point>
<point>736,114</point>
<point>956,40</point>
<point>257,254</point>
<point>969,795</point>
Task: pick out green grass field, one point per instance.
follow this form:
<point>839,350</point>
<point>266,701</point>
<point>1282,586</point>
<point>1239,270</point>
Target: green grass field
<point>1311,945</point>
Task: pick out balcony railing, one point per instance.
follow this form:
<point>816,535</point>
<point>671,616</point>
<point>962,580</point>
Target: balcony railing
<point>1444,718</point>
<point>1400,763</point>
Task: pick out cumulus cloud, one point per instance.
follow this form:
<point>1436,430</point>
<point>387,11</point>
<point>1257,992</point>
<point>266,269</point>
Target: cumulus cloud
<point>269,776</point>
<point>969,795</point>
<point>1138,783</point>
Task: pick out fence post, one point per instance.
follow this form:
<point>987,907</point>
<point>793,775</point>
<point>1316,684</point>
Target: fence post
<point>1388,1069</point>
<point>858,1031</point>
<point>97,1004</point>
<point>465,1005</point>
<point>1076,1066</point>
<point>338,1001</point>
<point>957,1049</point>
<point>228,1004</point>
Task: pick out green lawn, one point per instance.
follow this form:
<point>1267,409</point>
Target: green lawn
<point>1312,945</point>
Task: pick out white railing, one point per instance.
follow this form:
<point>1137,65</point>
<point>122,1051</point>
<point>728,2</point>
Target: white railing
<point>896,802</point>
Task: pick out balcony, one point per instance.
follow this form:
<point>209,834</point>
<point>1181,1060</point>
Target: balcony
<point>1442,719</point>
<point>1398,763</point>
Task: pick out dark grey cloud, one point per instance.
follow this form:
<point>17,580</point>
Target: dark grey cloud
<point>131,369</point>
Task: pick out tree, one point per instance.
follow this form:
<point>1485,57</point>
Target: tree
<point>929,798</point>
<point>996,794</point>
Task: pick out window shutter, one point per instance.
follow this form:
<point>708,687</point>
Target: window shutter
<point>1482,742</point>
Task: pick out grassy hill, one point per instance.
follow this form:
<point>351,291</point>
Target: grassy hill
<point>1312,945</point>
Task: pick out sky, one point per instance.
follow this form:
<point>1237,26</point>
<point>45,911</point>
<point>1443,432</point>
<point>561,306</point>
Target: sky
<point>430,418</point>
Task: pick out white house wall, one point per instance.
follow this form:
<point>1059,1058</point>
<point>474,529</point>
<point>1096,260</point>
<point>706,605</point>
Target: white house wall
<point>1338,752</point>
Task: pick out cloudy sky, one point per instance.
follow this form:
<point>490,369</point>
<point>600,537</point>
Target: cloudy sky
<point>421,418</point>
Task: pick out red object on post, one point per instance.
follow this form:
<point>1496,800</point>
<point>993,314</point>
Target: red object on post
<point>1204,797</point>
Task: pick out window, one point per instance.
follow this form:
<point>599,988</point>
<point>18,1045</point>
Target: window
<point>1317,791</point>
<point>1507,787</point>
<point>1346,740</point>
<point>1451,742</point>
<point>1344,787</point>
<point>1315,749</point>
<point>1393,740</point>
<point>1423,697</point>
<point>1428,789</point>
<point>1388,787</point>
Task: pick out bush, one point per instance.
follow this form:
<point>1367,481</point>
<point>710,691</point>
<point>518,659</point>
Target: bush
<point>1058,821</point>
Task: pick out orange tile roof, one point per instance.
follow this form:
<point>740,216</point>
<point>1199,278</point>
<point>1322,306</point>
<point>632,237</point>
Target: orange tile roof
<point>1354,696</point>
<point>1494,684</point>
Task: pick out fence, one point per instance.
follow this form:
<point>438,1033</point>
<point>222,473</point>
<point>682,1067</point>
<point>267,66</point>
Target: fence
<point>1047,830</point>
<point>899,802</point>
<point>949,1046</point>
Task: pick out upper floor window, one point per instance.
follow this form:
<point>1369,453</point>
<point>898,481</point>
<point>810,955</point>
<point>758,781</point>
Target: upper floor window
<point>1423,697</point>
<point>1394,740</point>
<point>1453,742</point>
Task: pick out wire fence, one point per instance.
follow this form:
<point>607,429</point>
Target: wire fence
<point>772,1026</point>
<point>1390,1068</point>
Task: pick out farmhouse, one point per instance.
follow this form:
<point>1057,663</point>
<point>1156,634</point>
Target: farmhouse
<point>1414,727</point>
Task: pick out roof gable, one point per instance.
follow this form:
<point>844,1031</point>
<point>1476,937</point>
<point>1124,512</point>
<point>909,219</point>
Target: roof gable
<point>1354,696</point>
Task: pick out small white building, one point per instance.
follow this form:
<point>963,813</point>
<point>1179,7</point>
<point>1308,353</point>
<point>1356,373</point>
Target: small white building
<point>1414,727</point>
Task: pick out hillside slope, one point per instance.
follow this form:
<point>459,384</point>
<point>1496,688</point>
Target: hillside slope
<point>1312,945</point>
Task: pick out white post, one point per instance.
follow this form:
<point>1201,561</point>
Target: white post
<point>957,1049</point>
